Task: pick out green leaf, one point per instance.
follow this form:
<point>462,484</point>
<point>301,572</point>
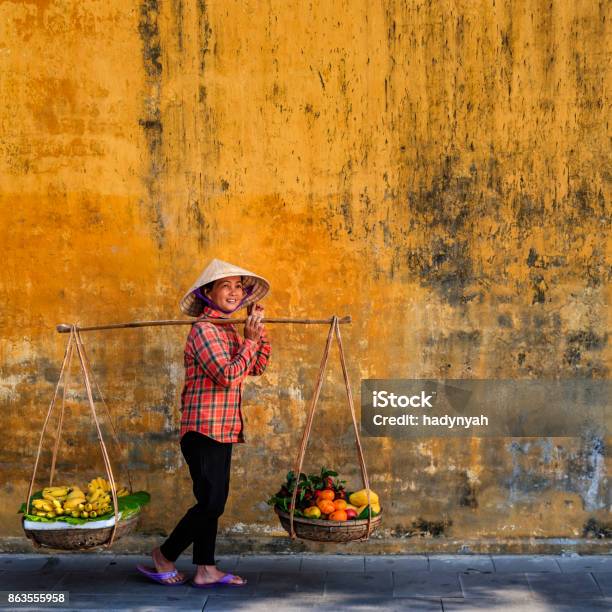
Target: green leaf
<point>35,495</point>
<point>364,513</point>
<point>140,498</point>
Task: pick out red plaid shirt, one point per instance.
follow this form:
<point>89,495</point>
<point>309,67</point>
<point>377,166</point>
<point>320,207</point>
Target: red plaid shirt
<point>217,361</point>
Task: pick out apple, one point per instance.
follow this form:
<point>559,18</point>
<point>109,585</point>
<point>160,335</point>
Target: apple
<point>350,513</point>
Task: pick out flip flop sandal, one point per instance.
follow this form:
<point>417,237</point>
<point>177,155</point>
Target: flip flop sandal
<point>160,577</point>
<point>225,581</point>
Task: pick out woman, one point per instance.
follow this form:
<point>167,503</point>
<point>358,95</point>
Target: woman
<point>217,361</point>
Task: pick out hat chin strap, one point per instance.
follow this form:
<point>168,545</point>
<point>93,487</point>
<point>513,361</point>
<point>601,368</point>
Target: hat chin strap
<point>209,302</point>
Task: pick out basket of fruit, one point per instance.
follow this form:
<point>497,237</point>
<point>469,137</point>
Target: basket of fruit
<point>324,510</point>
<point>68,518</point>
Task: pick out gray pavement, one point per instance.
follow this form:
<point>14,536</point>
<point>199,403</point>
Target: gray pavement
<point>279,583</point>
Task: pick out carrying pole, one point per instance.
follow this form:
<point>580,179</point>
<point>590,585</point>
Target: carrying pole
<point>63,328</point>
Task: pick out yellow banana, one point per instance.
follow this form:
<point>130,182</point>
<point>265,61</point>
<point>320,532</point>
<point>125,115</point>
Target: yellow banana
<point>71,504</point>
<point>56,491</point>
<point>42,504</point>
<point>95,495</point>
<point>88,507</point>
<point>84,515</point>
<point>122,492</point>
<point>75,513</point>
<point>51,514</point>
<point>93,514</point>
<point>76,492</point>
<point>39,513</point>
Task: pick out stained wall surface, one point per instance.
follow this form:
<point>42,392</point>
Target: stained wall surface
<point>437,170</point>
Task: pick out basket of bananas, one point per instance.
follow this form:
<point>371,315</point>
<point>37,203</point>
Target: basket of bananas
<point>70,518</point>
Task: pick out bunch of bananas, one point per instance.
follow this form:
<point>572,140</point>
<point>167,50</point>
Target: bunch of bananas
<point>72,501</point>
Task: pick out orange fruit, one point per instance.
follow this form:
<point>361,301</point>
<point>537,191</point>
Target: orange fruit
<point>338,515</point>
<point>340,504</point>
<point>326,494</point>
<point>326,506</point>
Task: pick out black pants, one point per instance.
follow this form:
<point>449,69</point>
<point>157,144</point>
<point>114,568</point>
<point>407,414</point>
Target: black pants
<point>209,465</point>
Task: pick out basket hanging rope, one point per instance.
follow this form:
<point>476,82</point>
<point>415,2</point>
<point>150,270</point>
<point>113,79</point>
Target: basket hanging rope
<point>69,538</point>
<point>326,530</point>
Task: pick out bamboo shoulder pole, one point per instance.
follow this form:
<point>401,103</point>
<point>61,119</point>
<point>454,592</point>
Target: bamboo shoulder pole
<point>63,328</point>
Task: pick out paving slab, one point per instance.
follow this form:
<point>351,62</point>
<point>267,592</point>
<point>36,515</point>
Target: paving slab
<point>361,586</point>
<point>460,563</point>
<point>328,582</point>
<point>426,584</point>
<point>25,581</point>
<point>504,587</point>
<point>269,563</point>
<point>604,580</point>
<point>396,563</point>
<point>526,563</point>
<point>185,600</point>
<point>567,587</point>
<point>90,583</point>
<point>127,563</point>
<point>586,563</point>
<point>274,583</point>
<point>395,604</point>
<point>78,562</point>
<point>464,605</point>
<point>297,603</point>
<point>333,563</point>
<point>24,563</point>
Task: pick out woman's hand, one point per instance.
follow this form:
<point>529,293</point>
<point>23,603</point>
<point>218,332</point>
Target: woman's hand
<point>254,328</point>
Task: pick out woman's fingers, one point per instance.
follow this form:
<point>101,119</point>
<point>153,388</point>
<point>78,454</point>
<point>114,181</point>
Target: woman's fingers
<point>253,327</point>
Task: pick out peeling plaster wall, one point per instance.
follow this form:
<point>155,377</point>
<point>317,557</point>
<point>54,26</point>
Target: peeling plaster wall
<point>438,170</point>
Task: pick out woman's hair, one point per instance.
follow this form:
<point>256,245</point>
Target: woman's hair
<point>207,287</point>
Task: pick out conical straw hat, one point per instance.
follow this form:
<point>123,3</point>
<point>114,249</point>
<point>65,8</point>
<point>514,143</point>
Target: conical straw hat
<point>258,286</point>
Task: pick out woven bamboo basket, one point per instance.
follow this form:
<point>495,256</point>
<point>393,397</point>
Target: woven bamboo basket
<point>80,539</point>
<point>328,531</point>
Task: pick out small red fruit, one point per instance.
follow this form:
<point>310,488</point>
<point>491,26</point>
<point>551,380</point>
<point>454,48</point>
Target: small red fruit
<point>350,513</point>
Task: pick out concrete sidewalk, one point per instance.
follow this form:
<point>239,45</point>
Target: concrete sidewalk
<point>327,582</point>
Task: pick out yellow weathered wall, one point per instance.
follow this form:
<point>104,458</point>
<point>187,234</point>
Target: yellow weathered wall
<point>438,170</point>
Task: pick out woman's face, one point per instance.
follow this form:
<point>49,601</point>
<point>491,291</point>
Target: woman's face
<point>227,292</point>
